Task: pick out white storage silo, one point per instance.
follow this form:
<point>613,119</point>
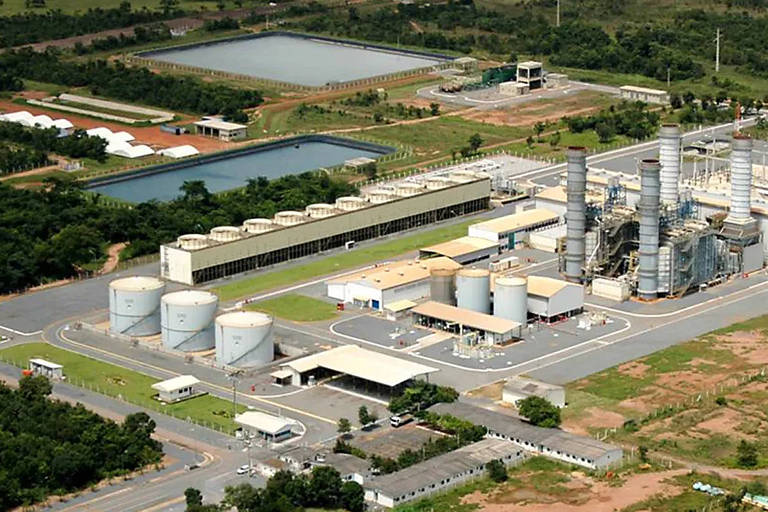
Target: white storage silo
<point>320,210</point>
<point>186,320</point>
<point>442,285</point>
<point>289,218</point>
<point>134,305</point>
<point>510,299</point>
<point>192,241</point>
<point>473,289</point>
<point>225,233</point>
<point>350,203</point>
<point>244,338</point>
<point>258,225</point>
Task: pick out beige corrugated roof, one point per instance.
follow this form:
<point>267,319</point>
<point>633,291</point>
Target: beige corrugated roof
<point>645,90</point>
<point>264,422</point>
<point>399,305</point>
<point>546,286</point>
<point>466,317</point>
<point>362,363</point>
<point>559,195</point>
<point>460,246</point>
<point>517,221</point>
<point>397,273</point>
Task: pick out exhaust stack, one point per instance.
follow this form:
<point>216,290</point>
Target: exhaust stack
<point>741,181</point>
<point>575,216</point>
<point>648,251</point>
<point>669,155</point>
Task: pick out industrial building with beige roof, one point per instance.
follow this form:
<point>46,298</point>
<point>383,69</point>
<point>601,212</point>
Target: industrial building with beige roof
<point>550,298</point>
<point>490,329</point>
<point>466,249</point>
<point>510,230</point>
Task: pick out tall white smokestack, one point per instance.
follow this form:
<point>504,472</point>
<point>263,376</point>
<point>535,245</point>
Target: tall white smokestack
<point>741,180</point>
<point>669,157</point>
<point>648,250</point>
<point>576,214</point>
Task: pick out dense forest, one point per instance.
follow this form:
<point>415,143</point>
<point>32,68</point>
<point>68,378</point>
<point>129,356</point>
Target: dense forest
<point>50,446</point>
<point>286,492</point>
<point>649,49</point>
<point>51,233</point>
<point>129,84</point>
<point>32,27</point>
<point>34,144</point>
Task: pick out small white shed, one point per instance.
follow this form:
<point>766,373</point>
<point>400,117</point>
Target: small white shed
<point>46,368</point>
<point>177,388</point>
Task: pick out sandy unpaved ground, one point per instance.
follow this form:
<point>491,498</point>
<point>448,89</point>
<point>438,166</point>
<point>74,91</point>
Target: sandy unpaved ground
<point>113,257</point>
<point>150,135</point>
<point>594,417</point>
<point>636,369</point>
<point>591,496</point>
<point>750,346</point>
<point>725,421</point>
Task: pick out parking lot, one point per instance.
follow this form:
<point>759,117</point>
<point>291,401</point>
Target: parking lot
<point>386,441</point>
<point>380,331</point>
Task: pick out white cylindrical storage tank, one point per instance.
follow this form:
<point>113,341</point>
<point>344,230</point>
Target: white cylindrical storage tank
<point>350,203</point>
<point>134,305</point>
<point>320,210</point>
<point>289,218</point>
<point>224,233</point>
<point>473,289</point>
<point>258,225</point>
<point>192,241</point>
<point>379,196</point>
<point>510,299</point>
<point>438,182</point>
<point>409,189</point>
<point>244,338</point>
<point>442,285</point>
<point>186,320</point>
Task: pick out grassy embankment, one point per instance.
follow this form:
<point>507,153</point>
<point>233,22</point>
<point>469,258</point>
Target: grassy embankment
<point>297,308</point>
<point>339,262</point>
<point>128,385</point>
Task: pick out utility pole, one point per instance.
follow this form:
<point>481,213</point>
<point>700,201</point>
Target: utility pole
<point>717,52</point>
<point>234,377</point>
<point>668,77</point>
<point>558,13</point>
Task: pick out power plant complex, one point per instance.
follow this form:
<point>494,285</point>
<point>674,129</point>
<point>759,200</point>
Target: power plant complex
<point>655,244</point>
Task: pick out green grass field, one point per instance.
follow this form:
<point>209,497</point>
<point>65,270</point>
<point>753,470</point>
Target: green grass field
<point>339,262</point>
<point>128,385</point>
<point>71,6</point>
<point>297,308</point>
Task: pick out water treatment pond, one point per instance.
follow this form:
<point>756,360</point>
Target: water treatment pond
<point>271,161</point>
<point>295,59</point>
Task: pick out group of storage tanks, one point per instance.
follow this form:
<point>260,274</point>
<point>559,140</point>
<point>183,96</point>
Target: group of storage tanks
<point>470,288</point>
<point>187,321</point>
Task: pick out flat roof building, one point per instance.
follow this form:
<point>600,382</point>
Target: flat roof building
<point>493,330</point>
<point>46,368</point>
<point>440,473</point>
<point>267,426</point>
<point>550,299</point>
<point>520,388</point>
<point>176,389</point>
<point>550,442</point>
<point>464,250</point>
<point>510,230</point>
<point>644,94</point>
<point>375,367</point>
<point>387,283</point>
<point>220,129</point>
<point>530,73</point>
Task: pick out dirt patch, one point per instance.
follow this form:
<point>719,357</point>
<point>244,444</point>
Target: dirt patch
<point>113,257</point>
<point>689,382</point>
<point>651,399</point>
<point>724,421</point>
<point>636,369</point>
<point>590,496</point>
<point>594,417</point>
<point>492,391</point>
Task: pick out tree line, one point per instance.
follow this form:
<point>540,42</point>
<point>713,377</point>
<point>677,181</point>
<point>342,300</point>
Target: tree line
<point>632,119</point>
<point>53,232</point>
<point>48,446</point>
<point>141,35</point>
<point>133,84</point>
<point>31,27</point>
<point>323,488</point>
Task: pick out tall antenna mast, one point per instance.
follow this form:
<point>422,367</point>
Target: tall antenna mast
<point>717,52</point>
<point>558,13</point>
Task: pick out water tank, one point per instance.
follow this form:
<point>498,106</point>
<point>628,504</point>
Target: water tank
<point>378,196</point>
<point>224,233</point>
<point>258,225</point>
<point>473,289</point>
<point>186,320</point>
<point>442,285</point>
<point>510,299</point>
<point>350,203</point>
<point>244,338</point>
<point>462,176</point>
<point>134,305</point>
<point>289,218</point>
<point>192,242</point>
<point>408,189</point>
<point>438,182</point>
<point>320,210</point>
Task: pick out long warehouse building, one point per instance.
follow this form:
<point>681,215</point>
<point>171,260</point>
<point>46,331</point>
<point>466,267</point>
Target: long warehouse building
<point>213,259</point>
